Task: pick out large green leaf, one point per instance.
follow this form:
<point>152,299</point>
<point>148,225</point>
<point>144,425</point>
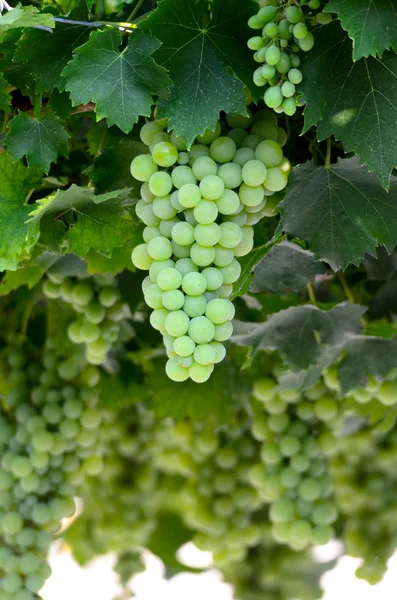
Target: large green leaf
<point>122,84</point>
<point>341,212</point>
<point>287,267</point>
<point>199,56</point>
<point>111,169</point>
<point>357,102</point>
<point>371,24</point>
<point>47,54</point>
<point>4,95</point>
<point>101,223</point>
<point>16,236</point>
<point>25,16</point>
<point>40,140</point>
<point>301,333</point>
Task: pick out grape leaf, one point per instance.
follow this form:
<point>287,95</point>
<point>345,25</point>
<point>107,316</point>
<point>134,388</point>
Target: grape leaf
<point>4,95</point>
<point>111,169</point>
<point>371,24</point>
<point>199,57</point>
<point>355,102</point>
<point>40,140</point>
<point>118,261</point>
<point>101,222</point>
<point>301,333</point>
<point>218,398</point>
<point>341,212</point>
<point>287,267</point>
<point>382,266</point>
<point>16,236</point>
<point>46,54</point>
<point>28,274</point>
<point>25,16</point>
<point>384,301</point>
<point>248,263</point>
<point>122,84</point>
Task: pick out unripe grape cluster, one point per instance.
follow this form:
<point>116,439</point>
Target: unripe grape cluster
<point>48,446</point>
<point>284,31</point>
<point>365,486</point>
<point>297,434</point>
<point>99,311</point>
<point>199,207</point>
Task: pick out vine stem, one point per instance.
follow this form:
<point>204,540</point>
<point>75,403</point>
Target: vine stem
<point>328,155</point>
<point>312,296</point>
<point>346,288</point>
<point>135,11</point>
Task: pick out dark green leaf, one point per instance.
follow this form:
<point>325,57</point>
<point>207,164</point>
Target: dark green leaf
<point>384,301</point>
<point>111,170</point>
<point>355,102</point>
<point>169,535</point>
<point>101,223</point>
<point>287,267</point>
<point>118,261</point>
<point>24,16</point>
<point>16,236</point>
<point>46,54</point>
<point>382,266</point>
<point>199,58</point>
<point>40,140</point>
<point>217,398</point>
<point>371,24</point>
<point>341,212</point>
<point>300,333</point>
<point>122,84</point>
<point>4,95</point>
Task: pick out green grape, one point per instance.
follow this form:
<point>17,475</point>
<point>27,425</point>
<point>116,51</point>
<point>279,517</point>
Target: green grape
<point>282,510</point>
<point>276,179</point>
<point>95,312</point>
<point>300,31</point>
<point>229,202</point>
<point>51,289</point>
<point>272,55</point>
<point>159,248</point>
<point>205,212</point>
<point>143,167</point>
<point>203,167</point>
<point>185,266</point>
<point>289,106</point>
<point>165,154</point>
<point>194,306</point>
<point>175,371</point>
<point>310,489</point>
<point>194,284</point>
<point>201,255</point>
<point>204,354</point>
<point>169,279</point>
<point>148,217</point>
<point>189,195</point>
<point>158,317</point>
<point>183,175</point>
<point>157,266</point>
<point>201,330</point>
<point>222,150</point>
<point>273,97</point>
<point>293,14</point>
<point>231,235</point>
<point>212,187</point>
<point>177,323</point>
<point>214,278</point>
<point>196,151</point>
<point>220,310</point>
<point>387,393</point>
<point>163,208</point>
<point>264,129</point>
<point>237,135</point>
<point>184,346</point>
<point>141,258</point>
<point>148,131</point>
<point>153,296</point>
<point>288,89</point>
<point>160,183</point>
<point>295,76</point>
<point>323,18</point>
<point>200,373</point>
<point>90,332</point>
<point>307,42</point>
<point>207,235</point>
<point>219,351</point>
<point>230,174</point>
<point>166,227</point>
<point>223,331</point>
<point>254,173</point>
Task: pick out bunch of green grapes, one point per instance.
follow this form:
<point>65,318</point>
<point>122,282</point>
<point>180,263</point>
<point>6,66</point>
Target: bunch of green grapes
<point>48,446</point>
<point>274,572</point>
<point>121,504</point>
<point>199,207</point>
<point>364,472</point>
<point>100,311</point>
<point>292,474</point>
<point>285,30</point>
